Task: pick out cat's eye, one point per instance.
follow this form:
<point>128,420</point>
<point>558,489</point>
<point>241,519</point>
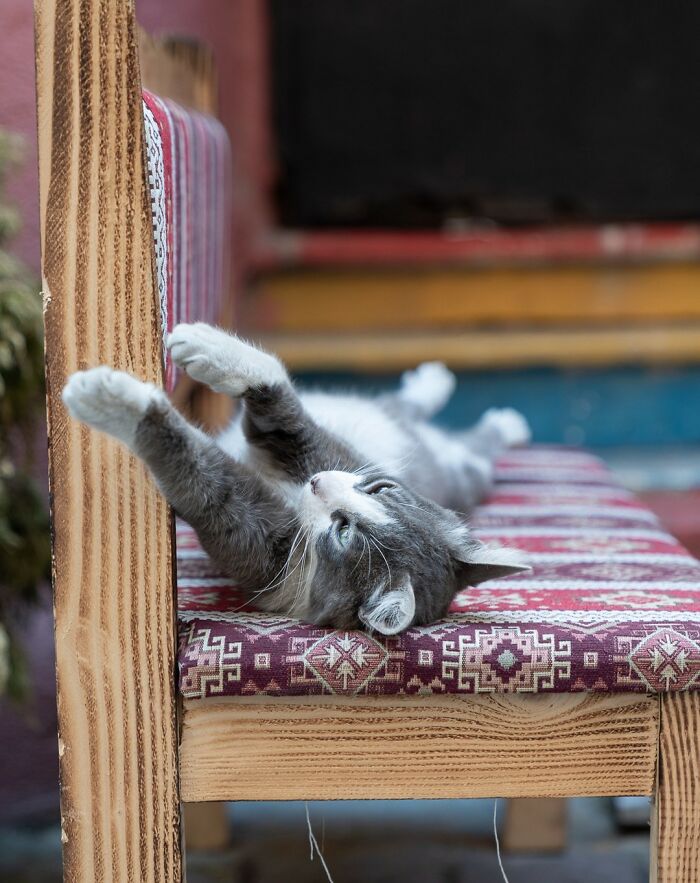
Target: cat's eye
<point>379,487</point>
<point>343,531</point>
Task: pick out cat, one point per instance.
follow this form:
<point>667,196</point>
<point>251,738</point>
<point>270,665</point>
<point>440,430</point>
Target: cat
<point>337,509</point>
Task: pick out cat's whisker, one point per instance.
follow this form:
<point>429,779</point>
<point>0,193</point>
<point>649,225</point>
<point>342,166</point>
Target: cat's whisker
<point>407,457</point>
<point>285,566</point>
<point>289,573</point>
<point>409,505</point>
<point>274,583</point>
<point>390,548</point>
<point>359,560</point>
<point>304,539</point>
<point>372,540</point>
<point>362,469</point>
<point>302,577</point>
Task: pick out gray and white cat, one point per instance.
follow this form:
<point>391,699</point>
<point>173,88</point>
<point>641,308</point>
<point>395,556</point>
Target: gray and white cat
<point>338,509</point>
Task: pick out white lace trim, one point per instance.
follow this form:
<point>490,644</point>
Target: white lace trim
<point>156,183</point>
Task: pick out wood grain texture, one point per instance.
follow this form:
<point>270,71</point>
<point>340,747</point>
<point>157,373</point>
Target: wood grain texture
<point>676,817</point>
<point>473,350</point>
<point>332,748</point>
<point>439,297</point>
<point>112,564</point>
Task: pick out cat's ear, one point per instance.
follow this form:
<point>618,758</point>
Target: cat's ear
<point>479,563</point>
<point>390,611</point>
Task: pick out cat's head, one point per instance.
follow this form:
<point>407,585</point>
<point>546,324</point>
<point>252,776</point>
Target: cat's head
<point>384,558</point>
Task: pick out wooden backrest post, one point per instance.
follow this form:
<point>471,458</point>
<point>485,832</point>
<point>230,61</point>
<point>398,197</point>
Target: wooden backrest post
<point>112,549</point>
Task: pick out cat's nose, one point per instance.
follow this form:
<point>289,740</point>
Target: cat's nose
<point>314,483</point>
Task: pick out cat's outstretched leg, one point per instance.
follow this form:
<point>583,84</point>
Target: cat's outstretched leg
<point>497,429</point>
<point>425,390</point>
<point>274,421</point>
<point>223,361</point>
<point>239,520</point>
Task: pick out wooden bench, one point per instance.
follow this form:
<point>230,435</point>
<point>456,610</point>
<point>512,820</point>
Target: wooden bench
<point>129,750</point>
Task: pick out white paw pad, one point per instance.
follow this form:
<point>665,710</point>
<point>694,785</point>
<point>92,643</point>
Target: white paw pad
<point>222,361</point>
<point>428,386</point>
<point>109,400</point>
<point>512,426</point>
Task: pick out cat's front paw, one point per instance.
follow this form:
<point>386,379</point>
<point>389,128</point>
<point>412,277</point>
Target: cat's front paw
<point>222,361</point>
<point>112,401</point>
<point>510,424</point>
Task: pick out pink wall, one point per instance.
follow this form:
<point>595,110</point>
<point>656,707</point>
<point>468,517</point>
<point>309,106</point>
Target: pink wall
<point>235,29</point>
<point>17,113</point>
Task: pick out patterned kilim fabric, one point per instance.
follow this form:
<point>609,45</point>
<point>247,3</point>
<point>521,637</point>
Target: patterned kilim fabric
<point>189,163</point>
<point>612,604</point>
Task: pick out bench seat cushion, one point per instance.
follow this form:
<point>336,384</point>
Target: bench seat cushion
<point>612,604</point>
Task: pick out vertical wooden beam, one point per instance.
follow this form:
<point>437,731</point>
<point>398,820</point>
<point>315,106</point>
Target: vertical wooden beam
<point>112,564</point>
<point>676,817</point>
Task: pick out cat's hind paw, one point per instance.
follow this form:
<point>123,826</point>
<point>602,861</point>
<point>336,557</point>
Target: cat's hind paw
<point>110,400</point>
<point>428,387</point>
<point>510,425</point>
<point>222,361</point>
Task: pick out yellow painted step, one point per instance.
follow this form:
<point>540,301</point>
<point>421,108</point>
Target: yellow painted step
<point>449,298</point>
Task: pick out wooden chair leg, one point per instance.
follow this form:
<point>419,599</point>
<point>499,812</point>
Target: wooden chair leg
<point>206,825</point>
<point>112,561</point>
<point>535,824</point>
<point>676,817</point>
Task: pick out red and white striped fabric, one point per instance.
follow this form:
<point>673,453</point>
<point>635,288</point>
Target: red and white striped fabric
<point>612,604</point>
<point>189,168</point>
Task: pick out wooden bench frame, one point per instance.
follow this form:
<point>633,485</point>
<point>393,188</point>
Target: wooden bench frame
<point>128,752</point>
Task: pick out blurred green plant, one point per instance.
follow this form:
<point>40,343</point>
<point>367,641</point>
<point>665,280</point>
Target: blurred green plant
<point>24,535</point>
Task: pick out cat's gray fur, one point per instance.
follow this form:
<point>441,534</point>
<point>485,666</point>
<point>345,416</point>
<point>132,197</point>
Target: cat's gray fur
<point>337,509</point>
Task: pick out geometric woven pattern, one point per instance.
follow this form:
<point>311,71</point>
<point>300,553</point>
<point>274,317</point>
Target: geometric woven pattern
<point>612,604</point>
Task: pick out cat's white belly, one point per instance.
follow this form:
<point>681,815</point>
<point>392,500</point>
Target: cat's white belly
<point>234,442</point>
<point>357,421</point>
<point>451,455</point>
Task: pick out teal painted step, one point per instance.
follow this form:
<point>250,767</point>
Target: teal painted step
<point>605,408</point>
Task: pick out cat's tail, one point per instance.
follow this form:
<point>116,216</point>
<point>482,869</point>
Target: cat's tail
<point>427,389</point>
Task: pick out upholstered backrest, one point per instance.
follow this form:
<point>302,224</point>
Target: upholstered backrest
<point>189,168</point>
